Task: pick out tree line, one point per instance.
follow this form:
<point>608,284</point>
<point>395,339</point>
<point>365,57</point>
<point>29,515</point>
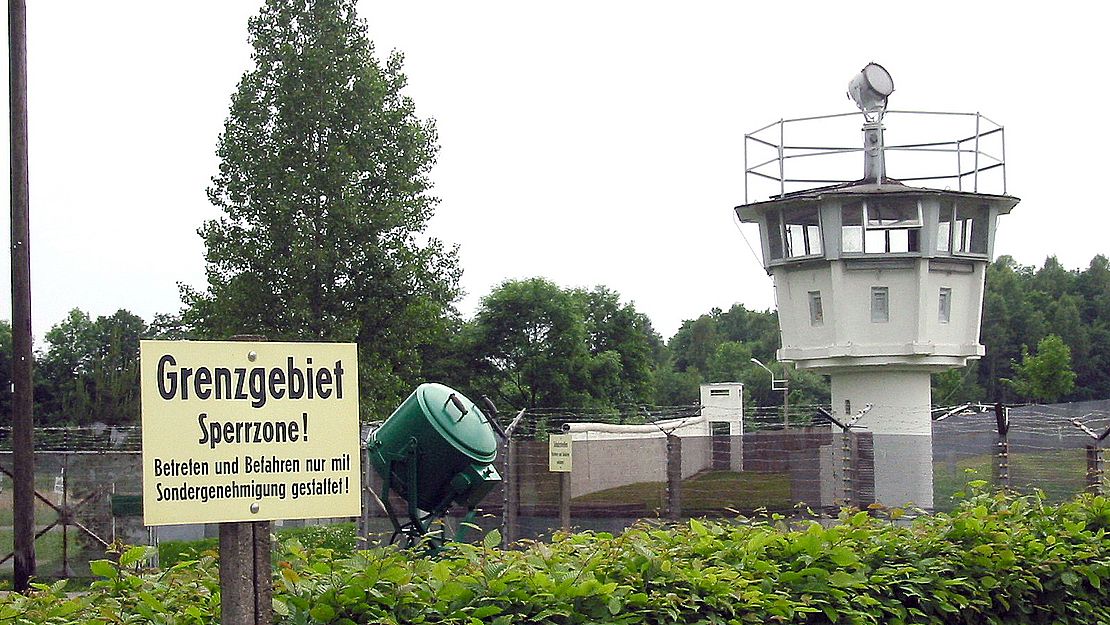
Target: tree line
<point>325,195</point>
<point>534,344</point>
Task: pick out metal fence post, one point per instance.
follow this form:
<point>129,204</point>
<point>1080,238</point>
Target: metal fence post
<point>848,464</point>
<point>1094,469</point>
<point>564,501</point>
<point>674,477</point>
<point>1002,464</point>
<point>510,511</point>
<point>367,493</point>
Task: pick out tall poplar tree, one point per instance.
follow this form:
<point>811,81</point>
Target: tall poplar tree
<point>324,187</point>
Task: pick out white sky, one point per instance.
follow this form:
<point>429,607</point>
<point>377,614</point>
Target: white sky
<point>588,142</point>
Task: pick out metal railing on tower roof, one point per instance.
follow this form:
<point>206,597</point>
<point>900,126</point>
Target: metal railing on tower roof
<point>940,150</point>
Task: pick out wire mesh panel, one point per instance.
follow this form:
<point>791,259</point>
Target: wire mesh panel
<point>88,485</point>
<point>810,467</point>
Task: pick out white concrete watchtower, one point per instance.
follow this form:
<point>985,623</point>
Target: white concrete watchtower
<point>880,284</point>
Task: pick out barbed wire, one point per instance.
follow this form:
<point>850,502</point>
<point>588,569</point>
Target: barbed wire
<point>1053,421</point>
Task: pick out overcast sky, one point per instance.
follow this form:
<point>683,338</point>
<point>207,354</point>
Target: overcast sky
<point>587,142</point>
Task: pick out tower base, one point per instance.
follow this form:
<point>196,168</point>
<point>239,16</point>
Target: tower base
<point>900,424</point>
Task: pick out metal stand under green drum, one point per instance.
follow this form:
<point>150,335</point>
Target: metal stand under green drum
<point>436,450</point>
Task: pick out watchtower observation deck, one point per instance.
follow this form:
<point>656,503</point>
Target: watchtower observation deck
<point>875,271</point>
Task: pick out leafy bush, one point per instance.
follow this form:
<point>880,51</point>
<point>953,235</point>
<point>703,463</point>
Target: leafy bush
<point>341,537</point>
<point>171,552</point>
<point>996,559</point>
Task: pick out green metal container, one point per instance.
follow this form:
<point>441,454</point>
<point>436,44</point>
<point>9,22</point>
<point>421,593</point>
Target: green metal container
<point>447,445</point>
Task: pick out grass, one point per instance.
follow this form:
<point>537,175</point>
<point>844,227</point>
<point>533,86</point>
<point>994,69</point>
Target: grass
<point>48,554</point>
<point>704,493</point>
<point>43,513</point>
<point>1060,474</point>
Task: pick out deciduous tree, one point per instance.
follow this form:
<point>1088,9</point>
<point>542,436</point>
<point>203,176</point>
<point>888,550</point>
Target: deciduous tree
<point>530,345</point>
<point>534,344</point>
<point>623,333</point>
<point>90,369</point>
<point>325,192</point>
<point>1047,375</point>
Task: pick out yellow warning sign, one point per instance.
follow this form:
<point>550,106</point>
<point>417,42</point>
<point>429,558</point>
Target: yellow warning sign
<point>239,431</point>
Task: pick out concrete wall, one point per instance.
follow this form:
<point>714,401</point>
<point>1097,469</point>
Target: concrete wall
<point>792,287</point>
<point>623,455</point>
<point>603,464</point>
<point>900,399</point>
<point>961,334</point>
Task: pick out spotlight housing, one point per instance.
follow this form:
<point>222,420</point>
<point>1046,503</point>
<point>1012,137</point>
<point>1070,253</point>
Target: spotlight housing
<point>870,90</point>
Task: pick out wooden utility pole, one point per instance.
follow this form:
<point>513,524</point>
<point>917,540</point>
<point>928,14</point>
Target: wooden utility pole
<point>564,501</point>
<point>23,500</point>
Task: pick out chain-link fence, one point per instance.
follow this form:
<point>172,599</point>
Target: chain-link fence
<point>669,463</point>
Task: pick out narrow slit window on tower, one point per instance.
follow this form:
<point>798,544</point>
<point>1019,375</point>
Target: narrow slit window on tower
<point>816,314</point>
<point>945,304</point>
<point>880,304</point>
<point>719,392</point>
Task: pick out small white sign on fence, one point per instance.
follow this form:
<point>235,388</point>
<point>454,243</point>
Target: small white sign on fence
<point>559,448</point>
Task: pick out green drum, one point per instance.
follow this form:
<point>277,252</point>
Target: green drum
<point>448,440</point>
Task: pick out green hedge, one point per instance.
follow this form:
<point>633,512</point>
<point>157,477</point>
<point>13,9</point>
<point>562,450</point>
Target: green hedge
<point>340,537</point>
<point>995,559</point>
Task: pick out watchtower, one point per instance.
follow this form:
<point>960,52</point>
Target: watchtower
<point>878,283</point>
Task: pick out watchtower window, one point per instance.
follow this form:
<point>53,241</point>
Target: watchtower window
<point>802,232</point>
<point>944,228</point>
<point>774,235</point>
<point>969,233</point>
<point>851,228</point>
<point>794,233</point>
<point>881,227</point>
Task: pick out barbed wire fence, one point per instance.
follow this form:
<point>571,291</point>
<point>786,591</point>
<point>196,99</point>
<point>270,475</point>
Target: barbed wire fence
<point>668,466</point>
